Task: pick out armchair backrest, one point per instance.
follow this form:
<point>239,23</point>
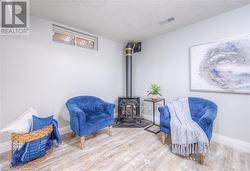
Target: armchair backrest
<point>85,103</point>
<point>198,106</point>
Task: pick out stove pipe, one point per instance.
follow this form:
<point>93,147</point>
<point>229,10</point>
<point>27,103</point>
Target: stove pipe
<point>131,47</point>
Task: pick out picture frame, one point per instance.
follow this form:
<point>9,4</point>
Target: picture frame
<point>221,66</point>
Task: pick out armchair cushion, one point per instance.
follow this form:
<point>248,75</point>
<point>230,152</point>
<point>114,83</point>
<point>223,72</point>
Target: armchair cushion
<point>97,117</point>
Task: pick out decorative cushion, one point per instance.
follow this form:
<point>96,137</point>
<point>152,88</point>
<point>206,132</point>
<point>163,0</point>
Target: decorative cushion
<point>39,123</point>
<point>22,124</point>
<point>38,148</point>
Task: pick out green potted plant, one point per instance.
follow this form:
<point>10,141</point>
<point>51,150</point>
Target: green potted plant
<point>154,90</point>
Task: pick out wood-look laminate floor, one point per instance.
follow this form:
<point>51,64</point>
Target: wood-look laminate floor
<point>130,149</point>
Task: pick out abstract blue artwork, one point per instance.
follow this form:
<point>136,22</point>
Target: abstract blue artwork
<point>221,66</point>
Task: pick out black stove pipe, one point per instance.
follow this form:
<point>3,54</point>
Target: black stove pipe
<point>131,47</point>
<point>129,51</point>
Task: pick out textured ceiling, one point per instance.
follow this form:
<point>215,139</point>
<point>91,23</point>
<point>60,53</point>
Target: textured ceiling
<point>130,20</point>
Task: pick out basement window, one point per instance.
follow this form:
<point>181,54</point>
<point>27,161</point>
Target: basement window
<point>75,38</point>
<point>64,38</point>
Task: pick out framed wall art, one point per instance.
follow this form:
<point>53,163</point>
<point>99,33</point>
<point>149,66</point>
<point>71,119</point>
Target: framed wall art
<point>221,66</point>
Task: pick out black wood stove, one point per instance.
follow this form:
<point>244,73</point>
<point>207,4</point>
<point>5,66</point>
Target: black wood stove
<point>129,106</point>
<point>129,110</point>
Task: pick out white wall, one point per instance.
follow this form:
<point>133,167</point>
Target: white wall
<point>164,60</point>
<point>1,52</point>
<point>41,73</point>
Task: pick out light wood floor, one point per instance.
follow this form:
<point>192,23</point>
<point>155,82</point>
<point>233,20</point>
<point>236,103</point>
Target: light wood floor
<point>132,149</point>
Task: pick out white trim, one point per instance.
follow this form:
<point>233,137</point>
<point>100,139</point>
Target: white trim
<point>221,139</point>
<point>6,146</point>
<point>65,130</point>
<point>236,144</point>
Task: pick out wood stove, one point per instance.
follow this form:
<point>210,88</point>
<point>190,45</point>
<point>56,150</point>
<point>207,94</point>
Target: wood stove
<point>129,106</point>
<point>129,110</point>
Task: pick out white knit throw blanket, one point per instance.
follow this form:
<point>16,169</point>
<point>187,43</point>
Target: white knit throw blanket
<point>187,136</point>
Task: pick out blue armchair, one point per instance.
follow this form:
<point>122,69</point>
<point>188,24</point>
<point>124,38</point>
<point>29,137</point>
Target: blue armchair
<point>89,114</point>
<point>202,112</point>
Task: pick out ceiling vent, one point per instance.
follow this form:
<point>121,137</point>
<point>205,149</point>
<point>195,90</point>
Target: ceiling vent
<point>166,21</point>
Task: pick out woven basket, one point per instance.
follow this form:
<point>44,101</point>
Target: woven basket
<point>17,138</point>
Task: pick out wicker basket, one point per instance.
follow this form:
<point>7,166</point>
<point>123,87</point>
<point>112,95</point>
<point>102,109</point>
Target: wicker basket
<point>21,138</point>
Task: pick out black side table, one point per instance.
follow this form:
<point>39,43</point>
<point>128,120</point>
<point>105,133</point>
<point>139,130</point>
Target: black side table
<point>154,101</point>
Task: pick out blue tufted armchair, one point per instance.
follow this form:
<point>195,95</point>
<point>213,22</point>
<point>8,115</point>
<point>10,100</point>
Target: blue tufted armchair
<point>89,114</point>
<point>202,112</point>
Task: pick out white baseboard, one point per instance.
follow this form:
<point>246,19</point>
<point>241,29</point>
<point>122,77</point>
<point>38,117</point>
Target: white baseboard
<point>65,130</point>
<point>236,144</point>
<point>6,146</point>
<point>221,139</point>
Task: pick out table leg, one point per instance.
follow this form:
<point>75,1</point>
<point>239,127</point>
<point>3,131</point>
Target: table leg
<point>153,113</point>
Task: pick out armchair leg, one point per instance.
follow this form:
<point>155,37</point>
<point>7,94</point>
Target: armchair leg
<point>109,130</point>
<point>163,138</point>
<point>201,158</point>
<point>72,134</point>
<point>82,140</point>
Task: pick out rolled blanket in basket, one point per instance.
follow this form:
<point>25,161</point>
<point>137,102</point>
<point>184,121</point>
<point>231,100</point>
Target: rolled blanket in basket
<point>55,135</point>
<point>186,135</point>
<point>37,148</point>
